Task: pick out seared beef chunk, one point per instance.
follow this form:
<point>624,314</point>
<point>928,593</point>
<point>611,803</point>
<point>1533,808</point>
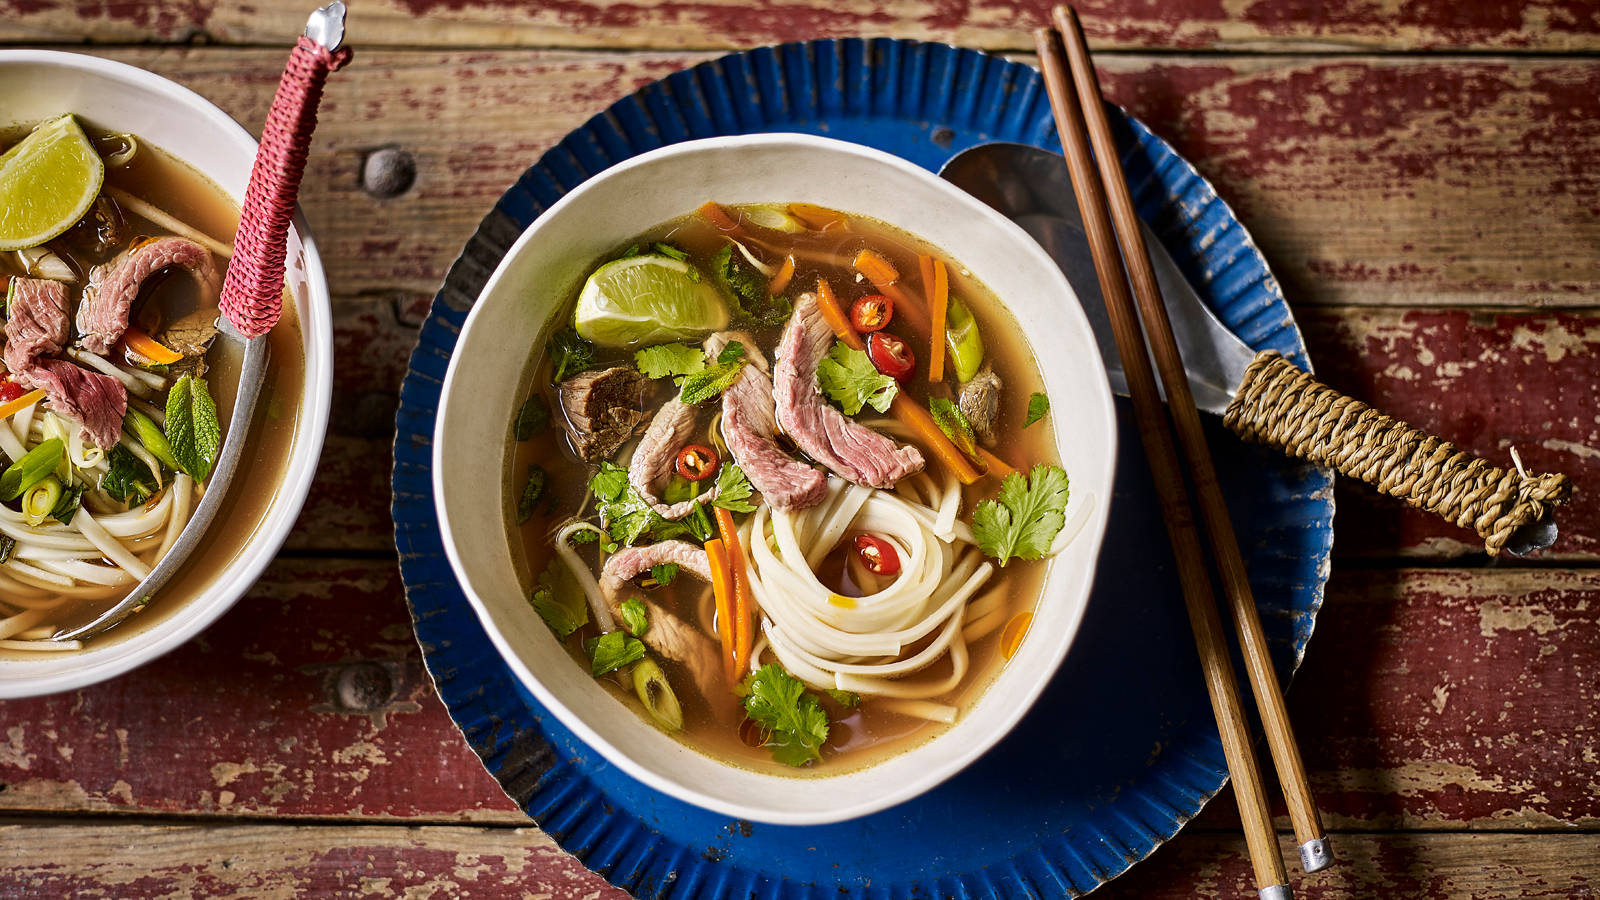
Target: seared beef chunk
<point>602,409</point>
<point>854,452</point>
<point>980,403</point>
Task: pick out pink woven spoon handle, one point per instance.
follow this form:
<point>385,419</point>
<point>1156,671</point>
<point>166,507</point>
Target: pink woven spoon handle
<point>252,294</point>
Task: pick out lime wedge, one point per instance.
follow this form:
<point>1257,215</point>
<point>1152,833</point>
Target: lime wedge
<point>648,300</point>
<point>47,182</point>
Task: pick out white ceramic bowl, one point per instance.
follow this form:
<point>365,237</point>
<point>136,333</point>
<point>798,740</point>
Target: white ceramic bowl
<point>511,319</point>
<point>38,84</point>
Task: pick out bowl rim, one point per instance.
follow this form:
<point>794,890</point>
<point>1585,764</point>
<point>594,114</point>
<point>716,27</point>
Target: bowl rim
<point>122,656</point>
<point>1093,528</point>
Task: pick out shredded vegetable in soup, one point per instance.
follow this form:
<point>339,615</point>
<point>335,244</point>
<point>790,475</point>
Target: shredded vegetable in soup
<point>112,264</point>
<point>782,484</point>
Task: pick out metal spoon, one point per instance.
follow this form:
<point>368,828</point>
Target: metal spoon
<point>326,28</point>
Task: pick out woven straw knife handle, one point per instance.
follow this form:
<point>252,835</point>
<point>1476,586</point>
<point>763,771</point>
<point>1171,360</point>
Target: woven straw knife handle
<point>1281,406</point>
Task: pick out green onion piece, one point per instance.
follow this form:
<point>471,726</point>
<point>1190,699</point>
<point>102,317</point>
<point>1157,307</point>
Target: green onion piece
<point>147,433</point>
<point>650,683</point>
<point>39,500</point>
<point>35,466</point>
<point>963,340</point>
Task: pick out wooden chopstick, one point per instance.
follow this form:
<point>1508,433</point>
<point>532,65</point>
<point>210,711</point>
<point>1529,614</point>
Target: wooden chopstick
<point>1314,850</point>
<point>1271,876</point>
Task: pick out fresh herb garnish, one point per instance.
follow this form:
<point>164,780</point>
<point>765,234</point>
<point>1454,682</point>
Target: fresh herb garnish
<point>846,699</point>
<point>532,418</point>
<point>569,354</point>
<point>679,489</point>
<point>850,379</point>
<point>629,518</point>
<point>192,427</point>
<point>34,467</point>
<point>1038,405</point>
<point>670,251</point>
<point>532,490</point>
<point>674,360</point>
<point>664,574</point>
<point>734,490</point>
<point>67,506</point>
<point>703,386</point>
<point>147,433</point>
<point>748,285</point>
<point>612,651</point>
<point>634,617</point>
<point>559,599</point>
<point>1025,517</point>
<point>7,544</point>
<point>127,478</point>
<point>583,536</point>
<point>953,422</point>
<point>792,721</point>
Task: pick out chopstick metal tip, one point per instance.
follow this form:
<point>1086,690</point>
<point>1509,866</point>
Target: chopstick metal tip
<point>1277,892</point>
<point>326,25</point>
<point>1316,855</point>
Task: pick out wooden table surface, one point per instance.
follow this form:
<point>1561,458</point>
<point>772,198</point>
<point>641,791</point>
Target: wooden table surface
<point>1424,178</point>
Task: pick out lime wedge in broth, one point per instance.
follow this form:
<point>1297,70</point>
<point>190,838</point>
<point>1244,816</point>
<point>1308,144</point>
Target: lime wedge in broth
<point>648,299</point>
<point>47,183</point>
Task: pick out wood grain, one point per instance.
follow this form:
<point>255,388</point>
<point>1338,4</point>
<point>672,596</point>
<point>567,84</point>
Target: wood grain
<point>1337,25</point>
<point>1431,699</point>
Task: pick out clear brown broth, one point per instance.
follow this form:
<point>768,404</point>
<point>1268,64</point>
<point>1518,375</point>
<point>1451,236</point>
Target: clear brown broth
<point>867,734</point>
<point>175,187</point>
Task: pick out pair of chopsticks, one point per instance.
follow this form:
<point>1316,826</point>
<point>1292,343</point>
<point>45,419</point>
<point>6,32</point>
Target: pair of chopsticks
<point>1086,136</point>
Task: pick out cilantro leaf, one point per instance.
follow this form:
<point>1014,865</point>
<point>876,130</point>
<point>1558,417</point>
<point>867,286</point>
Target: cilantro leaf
<point>569,354</point>
<point>612,651</point>
<point>531,492</point>
<point>560,600</point>
<point>192,427</point>
<point>583,536</point>
<point>1038,405</point>
<point>704,385</point>
<point>629,518</point>
<point>670,251</point>
<point>664,573</point>
<point>634,618</point>
<point>1023,520</point>
<point>127,479</point>
<point>793,722</point>
<point>734,490</point>
<point>850,379</point>
<point>748,286</point>
<point>953,422</point>
<point>670,359</point>
<point>846,699</point>
<point>532,418</point>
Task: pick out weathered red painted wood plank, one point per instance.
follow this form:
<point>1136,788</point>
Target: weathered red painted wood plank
<point>1545,25</point>
<point>1365,181</point>
<point>148,861</point>
<point>307,699</point>
<point>1430,699</point>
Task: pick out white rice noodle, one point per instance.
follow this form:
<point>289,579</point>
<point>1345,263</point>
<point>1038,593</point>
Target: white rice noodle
<point>41,645</point>
<point>143,455</point>
<point>598,610</point>
<point>109,545</point>
<point>155,380</point>
<point>182,489</point>
<point>100,364</point>
<point>15,625</point>
<point>87,572</point>
<point>918,709</point>
<point>166,220</point>
<point>863,644</point>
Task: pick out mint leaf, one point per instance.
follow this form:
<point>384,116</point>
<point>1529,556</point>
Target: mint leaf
<point>733,490</point>
<point>532,418</point>
<point>127,479</point>
<point>953,422</point>
<point>850,379</point>
<point>67,506</point>
<point>559,599</point>
<point>1038,405</point>
<point>1025,517</point>
<point>634,618</point>
<point>531,492</point>
<point>793,722</point>
<point>704,385</point>
<point>612,651</point>
<point>670,360</point>
<point>192,427</point>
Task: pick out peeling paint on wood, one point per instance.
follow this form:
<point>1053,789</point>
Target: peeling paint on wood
<point>1541,25</point>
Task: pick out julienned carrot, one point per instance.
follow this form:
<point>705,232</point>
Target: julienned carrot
<point>21,403</point>
<point>997,467</point>
<point>818,218</point>
<point>149,348</point>
<point>722,590</point>
<point>718,216</point>
<point>885,278</point>
<point>908,411</point>
<point>743,604</point>
<point>938,304</point>
<point>781,280</point>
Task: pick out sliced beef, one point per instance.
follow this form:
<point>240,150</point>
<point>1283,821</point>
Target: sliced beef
<point>668,635</point>
<point>37,325</point>
<point>750,428</point>
<point>602,409</point>
<point>655,458</point>
<point>980,403</point>
<point>97,401</point>
<point>103,312</point>
<point>853,451</point>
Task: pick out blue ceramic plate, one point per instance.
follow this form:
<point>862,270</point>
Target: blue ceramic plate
<point>1118,753</point>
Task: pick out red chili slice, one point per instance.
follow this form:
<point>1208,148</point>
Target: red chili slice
<point>697,462</point>
<point>10,390</point>
<point>871,313</point>
<point>877,554</point>
<point>890,355</point>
